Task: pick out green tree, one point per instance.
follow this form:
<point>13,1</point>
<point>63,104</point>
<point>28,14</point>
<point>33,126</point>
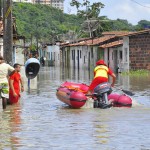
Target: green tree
<point>86,9</point>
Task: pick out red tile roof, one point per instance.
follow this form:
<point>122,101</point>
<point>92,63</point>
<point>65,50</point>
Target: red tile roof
<point>108,36</point>
<point>112,44</point>
<point>95,41</point>
<point>115,33</point>
<point>135,33</point>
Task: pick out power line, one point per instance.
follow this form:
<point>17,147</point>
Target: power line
<point>139,4</point>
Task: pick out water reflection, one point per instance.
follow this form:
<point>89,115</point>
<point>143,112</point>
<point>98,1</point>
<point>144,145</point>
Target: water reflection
<point>10,124</point>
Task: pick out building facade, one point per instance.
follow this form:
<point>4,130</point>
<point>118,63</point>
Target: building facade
<point>24,1</point>
<point>54,3</point>
<point>124,52</point>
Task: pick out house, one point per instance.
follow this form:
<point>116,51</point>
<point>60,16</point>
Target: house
<point>138,54</point>
<point>54,3</point>
<point>120,50</point>
<point>84,53</point>
<point>24,1</point>
<point>18,44</point>
<point>18,50</point>
<point>51,51</point>
<point>130,52</point>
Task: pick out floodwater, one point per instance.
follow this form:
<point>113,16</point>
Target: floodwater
<point>41,122</point>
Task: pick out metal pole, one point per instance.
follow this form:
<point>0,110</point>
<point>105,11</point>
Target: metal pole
<point>8,31</point>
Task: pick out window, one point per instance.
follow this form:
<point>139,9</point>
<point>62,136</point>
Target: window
<point>120,54</point>
<point>80,54</point>
<point>51,56</point>
<point>54,56</point>
<point>92,54</point>
<point>72,54</point>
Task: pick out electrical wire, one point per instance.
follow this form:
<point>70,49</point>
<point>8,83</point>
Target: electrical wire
<point>139,4</point>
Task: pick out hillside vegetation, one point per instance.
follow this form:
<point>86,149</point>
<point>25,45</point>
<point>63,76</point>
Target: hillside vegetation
<point>47,23</point>
<point>43,21</point>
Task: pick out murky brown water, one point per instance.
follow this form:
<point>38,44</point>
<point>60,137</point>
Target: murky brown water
<point>42,122</point>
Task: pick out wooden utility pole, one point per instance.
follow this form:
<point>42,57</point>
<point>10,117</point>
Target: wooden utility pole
<point>8,30</point>
<point>1,6</point>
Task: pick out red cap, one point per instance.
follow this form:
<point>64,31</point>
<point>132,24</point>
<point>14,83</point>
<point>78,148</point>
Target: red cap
<point>101,62</point>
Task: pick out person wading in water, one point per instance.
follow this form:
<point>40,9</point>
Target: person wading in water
<point>101,73</point>
<point>4,87</point>
<point>15,82</point>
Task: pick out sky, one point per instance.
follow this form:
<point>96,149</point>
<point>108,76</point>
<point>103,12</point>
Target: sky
<point>131,10</point>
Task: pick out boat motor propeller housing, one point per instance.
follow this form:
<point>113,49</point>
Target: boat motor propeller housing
<point>101,92</point>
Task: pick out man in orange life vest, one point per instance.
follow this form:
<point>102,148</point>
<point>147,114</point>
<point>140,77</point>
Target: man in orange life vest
<point>101,73</point>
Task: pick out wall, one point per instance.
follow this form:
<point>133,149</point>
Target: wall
<point>125,54</point>
<point>18,53</point>
<point>1,46</point>
<point>112,57</point>
<point>83,56</point>
<point>139,51</point>
<point>53,54</point>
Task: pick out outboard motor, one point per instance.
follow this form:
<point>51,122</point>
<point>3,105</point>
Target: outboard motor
<point>32,67</point>
<point>101,92</point>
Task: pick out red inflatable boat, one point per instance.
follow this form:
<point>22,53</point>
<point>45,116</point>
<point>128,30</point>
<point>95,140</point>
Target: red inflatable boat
<point>73,94</point>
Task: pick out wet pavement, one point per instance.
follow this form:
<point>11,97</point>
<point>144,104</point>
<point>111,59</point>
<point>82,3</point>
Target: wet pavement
<point>40,121</point>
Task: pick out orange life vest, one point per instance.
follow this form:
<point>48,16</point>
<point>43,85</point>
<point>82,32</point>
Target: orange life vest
<point>101,71</point>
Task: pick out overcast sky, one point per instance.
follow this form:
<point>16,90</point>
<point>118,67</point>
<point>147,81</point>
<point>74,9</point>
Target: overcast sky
<point>131,10</point>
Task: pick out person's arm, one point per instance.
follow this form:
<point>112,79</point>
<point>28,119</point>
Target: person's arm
<point>22,84</point>
<point>113,76</point>
<point>11,69</point>
<point>113,79</point>
<point>12,72</point>
<point>12,87</point>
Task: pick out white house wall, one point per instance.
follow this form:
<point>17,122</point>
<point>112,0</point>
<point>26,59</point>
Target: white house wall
<point>106,55</point>
<point>1,46</point>
<point>18,56</point>
<point>53,53</point>
<point>125,61</point>
<point>85,56</point>
<point>114,57</point>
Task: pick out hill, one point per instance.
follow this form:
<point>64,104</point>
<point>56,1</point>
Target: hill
<point>42,21</point>
<point>48,23</point>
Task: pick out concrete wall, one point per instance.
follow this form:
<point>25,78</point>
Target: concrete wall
<point>1,46</point>
<point>18,52</point>
<point>83,56</point>
<point>53,54</point>
<point>125,50</point>
<point>112,57</point>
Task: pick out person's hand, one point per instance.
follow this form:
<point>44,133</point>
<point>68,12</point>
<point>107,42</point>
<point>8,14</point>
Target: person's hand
<point>15,95</point>
<point>112,84</point>
<point>22,89</point>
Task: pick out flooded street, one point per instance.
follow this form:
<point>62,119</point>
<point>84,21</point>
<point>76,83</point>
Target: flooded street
<point>40,121</point>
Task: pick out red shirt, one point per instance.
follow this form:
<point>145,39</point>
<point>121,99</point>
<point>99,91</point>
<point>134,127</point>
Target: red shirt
<point>16,78</point>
